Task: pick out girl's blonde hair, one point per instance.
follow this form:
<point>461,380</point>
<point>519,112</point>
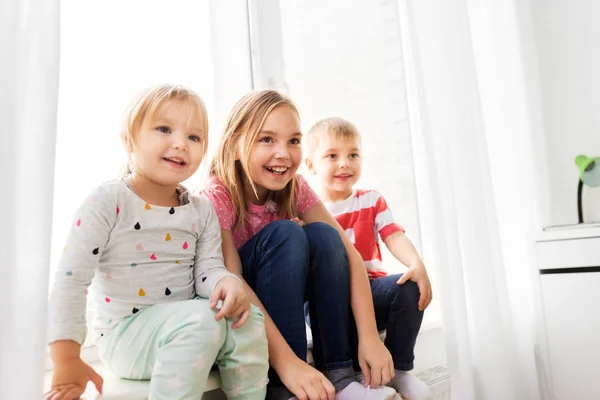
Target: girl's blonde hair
<point>144,108</point>
<point>246,120</point>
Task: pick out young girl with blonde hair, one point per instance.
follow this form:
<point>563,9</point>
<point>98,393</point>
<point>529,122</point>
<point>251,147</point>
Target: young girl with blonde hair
<point>281,240</point>
<point>154,254</point>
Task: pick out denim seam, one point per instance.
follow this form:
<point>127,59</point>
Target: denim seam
<point>338,365</point>
<point>404,367</point>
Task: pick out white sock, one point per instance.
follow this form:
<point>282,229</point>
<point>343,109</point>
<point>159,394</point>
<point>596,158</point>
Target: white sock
<point>409,386</point>
<point>356,391</point>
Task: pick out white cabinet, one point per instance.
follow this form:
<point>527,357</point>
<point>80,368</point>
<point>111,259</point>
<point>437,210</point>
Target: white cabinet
<point>569,283</point>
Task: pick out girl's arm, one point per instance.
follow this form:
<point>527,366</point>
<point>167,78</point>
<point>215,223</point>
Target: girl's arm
<point>209,269</point>
<point>209,265</point>
<point>375,361</point>
<point>70,375</point>
<point>402,248</point>
<point>87,240</point>
<point>89,234</point>
<point>299,377</point>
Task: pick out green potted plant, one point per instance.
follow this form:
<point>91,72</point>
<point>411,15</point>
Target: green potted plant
<point>589,174</point>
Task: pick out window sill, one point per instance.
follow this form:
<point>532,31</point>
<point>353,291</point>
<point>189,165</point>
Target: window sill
<point>121,389</point>
<point>429,351</point>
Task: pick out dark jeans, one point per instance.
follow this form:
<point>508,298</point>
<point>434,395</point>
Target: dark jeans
<point>286,265</point>
<point>396,310</point>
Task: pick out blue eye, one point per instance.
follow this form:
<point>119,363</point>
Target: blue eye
<point>164,129</point>
<point>194,138</point>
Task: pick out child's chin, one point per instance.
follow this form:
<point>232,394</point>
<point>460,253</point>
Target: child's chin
<point>172,180</point>
<point>277,187</point>
<point>344,185</point>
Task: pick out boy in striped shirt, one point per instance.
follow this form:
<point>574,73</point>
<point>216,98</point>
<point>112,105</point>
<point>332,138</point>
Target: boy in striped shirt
<point>334,157</point>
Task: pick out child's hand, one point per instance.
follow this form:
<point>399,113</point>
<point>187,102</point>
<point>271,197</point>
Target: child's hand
<point>304,381</point>
<point>298,221</point>
<point>419,275</point>
<point>236,303</point>
<point>69,379</point>
<point>375,362</point>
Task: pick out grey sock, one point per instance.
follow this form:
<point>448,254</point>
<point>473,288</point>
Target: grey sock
<point>340,378</point>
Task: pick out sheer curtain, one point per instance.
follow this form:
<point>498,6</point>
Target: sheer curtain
<point>29,44</point>
<point>472,130</point>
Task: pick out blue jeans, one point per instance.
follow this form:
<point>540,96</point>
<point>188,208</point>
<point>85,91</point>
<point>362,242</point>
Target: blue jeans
<point>396,309</point>
<point>286,265</point>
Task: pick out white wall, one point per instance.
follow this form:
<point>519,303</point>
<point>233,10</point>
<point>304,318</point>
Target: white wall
<point>567,43</point>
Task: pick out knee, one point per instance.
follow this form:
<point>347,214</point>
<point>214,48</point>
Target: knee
<point>256,317</point>
<point>406,295</point>
<point>251,338</point>
<point>286,231</point>
<point>324,237</point>
<point>286,241</point>
<point>323,234</point>
<point>327,246</point>
<point>197,318</point>
<point>256,323</point>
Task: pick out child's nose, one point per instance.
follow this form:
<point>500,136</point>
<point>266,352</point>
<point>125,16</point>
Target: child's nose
<point>178,142</point>
<point>282,152</point>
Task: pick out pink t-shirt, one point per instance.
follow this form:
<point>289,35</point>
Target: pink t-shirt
<point>259,216</point>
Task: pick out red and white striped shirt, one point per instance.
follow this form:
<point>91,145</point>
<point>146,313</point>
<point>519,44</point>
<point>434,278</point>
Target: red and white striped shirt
<point>363,215</point>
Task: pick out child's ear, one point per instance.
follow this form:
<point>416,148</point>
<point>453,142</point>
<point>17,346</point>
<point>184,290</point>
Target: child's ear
<point>309,166</point>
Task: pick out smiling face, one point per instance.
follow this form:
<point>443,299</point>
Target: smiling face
<point>276,153</point>
<point>337,163</point>
<point>170,147</point>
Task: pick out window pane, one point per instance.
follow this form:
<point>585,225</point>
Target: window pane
<point>344,59</point>
<point>110,51</point>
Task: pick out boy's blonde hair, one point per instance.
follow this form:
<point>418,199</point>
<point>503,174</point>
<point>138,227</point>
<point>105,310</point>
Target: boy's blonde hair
<point>147,104</point>
<point>245,120</point>
<point>337,128</point>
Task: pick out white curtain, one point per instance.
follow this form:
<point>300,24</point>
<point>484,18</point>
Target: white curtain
<point>473,124</point>
<point>29,51</point>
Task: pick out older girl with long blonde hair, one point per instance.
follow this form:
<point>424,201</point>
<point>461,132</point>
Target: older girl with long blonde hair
<point>279,238</point>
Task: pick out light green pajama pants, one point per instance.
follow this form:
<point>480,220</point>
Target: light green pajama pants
<point>175,344</point>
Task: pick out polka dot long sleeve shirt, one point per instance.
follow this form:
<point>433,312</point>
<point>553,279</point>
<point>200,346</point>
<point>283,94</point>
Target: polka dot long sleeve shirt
<point>136,255</point>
